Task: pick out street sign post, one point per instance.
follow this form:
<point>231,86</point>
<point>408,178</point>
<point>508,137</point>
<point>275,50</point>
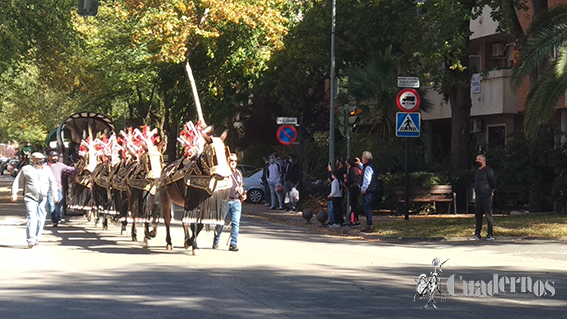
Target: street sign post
<point>408,82</point>
<point>408,124</point>
<point>286,120</point>
<point>286,134</point>
<point>408,100</point>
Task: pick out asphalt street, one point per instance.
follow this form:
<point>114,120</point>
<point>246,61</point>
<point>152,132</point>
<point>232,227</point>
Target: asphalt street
<point>281,271</point>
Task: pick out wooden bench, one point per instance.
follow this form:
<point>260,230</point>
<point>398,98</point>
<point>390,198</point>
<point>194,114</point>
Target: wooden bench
<point>509,196</point>
<point>513,196</point>
<point>427,195</point>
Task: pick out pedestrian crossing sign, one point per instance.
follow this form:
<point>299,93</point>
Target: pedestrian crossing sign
<point>408,124</point>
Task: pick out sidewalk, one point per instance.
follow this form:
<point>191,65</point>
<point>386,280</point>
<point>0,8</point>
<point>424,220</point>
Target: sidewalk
<point>296,219</point>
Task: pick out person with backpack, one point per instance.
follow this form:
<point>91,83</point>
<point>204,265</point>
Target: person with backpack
<point>274,178</point>
<point>352,183</point>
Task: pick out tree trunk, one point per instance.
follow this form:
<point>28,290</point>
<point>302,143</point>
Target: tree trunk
<point>460,131</point>
<point>460,98</point>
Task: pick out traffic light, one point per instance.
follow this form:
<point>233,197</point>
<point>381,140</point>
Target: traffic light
<point>353,113</point>
<point>88,8</point>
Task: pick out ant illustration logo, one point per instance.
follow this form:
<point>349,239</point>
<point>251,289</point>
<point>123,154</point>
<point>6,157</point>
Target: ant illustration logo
<point>427,286</point>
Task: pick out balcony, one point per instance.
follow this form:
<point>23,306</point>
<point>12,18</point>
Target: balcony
<point>495,96</point>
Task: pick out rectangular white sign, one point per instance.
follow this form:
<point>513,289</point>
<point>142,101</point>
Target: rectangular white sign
<point>287,120</point>
<point>475,83</point>
<point>408,82</point>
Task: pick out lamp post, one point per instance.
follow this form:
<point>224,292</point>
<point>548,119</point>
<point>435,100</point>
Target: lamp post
<point>332,89</point>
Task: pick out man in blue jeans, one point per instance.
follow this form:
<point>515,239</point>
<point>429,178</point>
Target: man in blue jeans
<point>36,181</point>
<point>368,187</point>
<point>237,195</point>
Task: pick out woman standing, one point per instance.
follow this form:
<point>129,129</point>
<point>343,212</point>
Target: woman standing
<point>352,183</point>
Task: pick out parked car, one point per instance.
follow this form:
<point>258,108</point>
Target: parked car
<point>255,189</point>
<point>4,167</point>
<point>252,183</point>
<point>13,167</point>
<point>246,169</point>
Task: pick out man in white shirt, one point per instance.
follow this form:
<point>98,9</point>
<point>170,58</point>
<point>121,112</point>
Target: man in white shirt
<point>36,182</point>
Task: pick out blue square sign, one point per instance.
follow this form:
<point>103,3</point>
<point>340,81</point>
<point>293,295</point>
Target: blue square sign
<point>408,124</point>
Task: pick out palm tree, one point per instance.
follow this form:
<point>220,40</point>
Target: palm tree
<point>374,88</point>
<point>547,38</point>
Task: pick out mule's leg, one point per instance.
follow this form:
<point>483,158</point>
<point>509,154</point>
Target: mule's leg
<point>104,221</point>
<point>167,213</point>
<point>147,237</point>
<point>123,207</point>
<point>96,216</point>
<point>188,240</point>
<point>196,228</point>
<point>155,214</point>
<point>123,225</point>
<point>134,232</point>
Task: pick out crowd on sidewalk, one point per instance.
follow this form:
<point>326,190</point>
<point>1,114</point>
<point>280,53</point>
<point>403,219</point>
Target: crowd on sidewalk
<point>353,178</point>
<point>356,178</point>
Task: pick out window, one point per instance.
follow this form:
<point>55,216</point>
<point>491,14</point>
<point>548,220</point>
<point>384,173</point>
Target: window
<point>496,135</point>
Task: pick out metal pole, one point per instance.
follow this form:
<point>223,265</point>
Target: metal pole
<point>349,132</point>
<point>406,193</point>
<point>332,89</point>
<point>300,182</point>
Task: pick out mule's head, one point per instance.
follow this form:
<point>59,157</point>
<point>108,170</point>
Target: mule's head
<point>215,155</point>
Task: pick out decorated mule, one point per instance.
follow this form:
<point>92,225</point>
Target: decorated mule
<point>199,182</point>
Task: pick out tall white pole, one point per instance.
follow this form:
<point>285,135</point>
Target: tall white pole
<point>332,89</point>
<point>195,93</point>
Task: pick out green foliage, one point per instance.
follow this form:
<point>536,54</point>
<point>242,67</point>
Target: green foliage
<point>30,108</point>
<point>547,35</point>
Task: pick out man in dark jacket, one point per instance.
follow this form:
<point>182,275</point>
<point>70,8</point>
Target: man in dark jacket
<point>484,184</point>
<point>291,177</point>
<point>265,183</point>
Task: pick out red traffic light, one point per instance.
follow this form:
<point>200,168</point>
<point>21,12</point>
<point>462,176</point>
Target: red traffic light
<point>355,112</point>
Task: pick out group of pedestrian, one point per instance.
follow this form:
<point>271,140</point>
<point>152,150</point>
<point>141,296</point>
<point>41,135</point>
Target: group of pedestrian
<point>280,180</point>
<point>43,192</point>
<point>359,177</point>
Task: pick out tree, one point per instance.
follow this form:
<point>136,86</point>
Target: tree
<point>173,30</point>
<point>547,36</point>
<point>442,51</point>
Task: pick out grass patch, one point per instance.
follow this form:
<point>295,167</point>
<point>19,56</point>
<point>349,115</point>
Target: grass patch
<point>549,226</point>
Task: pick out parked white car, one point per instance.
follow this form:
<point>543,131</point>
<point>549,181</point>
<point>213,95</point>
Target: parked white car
<point>253,186</point>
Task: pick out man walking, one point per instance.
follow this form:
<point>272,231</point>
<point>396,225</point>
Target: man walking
<point>58,169</point>
<point>36,182</point>
<point>237,195</point>
<point>484,184</point>
<point>368,187</point>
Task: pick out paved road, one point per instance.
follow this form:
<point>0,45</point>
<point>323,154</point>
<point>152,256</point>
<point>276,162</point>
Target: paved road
<point>282,271</point>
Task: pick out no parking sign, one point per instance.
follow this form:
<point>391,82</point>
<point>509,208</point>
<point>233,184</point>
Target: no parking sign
<point>286,134</point>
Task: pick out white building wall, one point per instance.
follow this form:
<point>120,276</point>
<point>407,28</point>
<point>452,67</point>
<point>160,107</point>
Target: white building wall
<point>495,97</point>
<point>483,25</point>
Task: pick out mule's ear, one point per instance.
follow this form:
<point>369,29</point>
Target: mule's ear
<point>224,135</point>
<point>206,137</point>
